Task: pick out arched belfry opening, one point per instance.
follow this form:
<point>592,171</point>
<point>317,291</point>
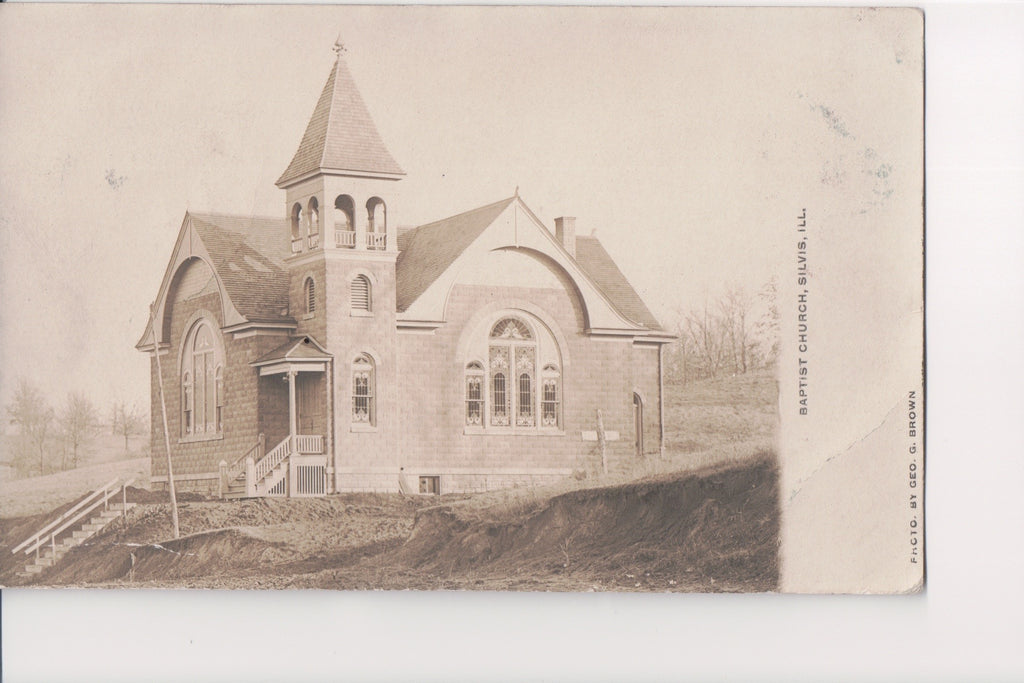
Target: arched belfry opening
<point>313,223</point>
<point>376,223</point>
<point>344,221</point>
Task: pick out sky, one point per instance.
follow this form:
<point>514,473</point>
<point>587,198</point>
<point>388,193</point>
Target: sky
<point>680,137</point>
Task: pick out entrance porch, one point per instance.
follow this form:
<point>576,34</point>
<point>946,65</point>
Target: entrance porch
<point>299,464</point>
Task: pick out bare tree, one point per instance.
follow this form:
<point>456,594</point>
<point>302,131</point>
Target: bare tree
<point>78,423</point>
<point>734,307</point>
<point>705,335</point>
<point>766,329</point>
<point>33,417</point>
<point>126,421</point>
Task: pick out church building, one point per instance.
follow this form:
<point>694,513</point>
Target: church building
<point>329,350</point>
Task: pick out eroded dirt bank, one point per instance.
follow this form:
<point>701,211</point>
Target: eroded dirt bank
<point>715,530</point>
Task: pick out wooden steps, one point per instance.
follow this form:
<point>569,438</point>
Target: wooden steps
<point>49,555</point>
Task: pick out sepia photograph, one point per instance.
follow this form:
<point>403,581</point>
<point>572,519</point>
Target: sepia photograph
<point>591,300</point>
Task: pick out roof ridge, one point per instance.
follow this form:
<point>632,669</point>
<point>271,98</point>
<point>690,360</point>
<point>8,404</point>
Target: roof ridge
<point>333,80</point>
<point>463,213</point>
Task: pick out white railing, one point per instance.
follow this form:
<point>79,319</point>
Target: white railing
<point>271,460</point>
<point>296,245</point>
<point>376,240</point>
<point>313,241</point>
<point>309,444</point>
<point>345,239</point>
<point>310,480</point>
<point>49,533</point>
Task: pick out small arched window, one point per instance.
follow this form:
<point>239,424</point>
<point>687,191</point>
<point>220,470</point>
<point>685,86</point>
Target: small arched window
<point>474,393</point>
<point>309,295</point>
<point>202,382</point>
<point>361,294</point>
<point>549,399</point>
<point>363,409</point>
<point>314,216</point>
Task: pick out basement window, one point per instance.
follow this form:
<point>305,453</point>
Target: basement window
<point>430,485</point>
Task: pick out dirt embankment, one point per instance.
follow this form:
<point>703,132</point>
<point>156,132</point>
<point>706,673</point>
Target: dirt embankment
<point>711,531</point>
<point>715,530</point>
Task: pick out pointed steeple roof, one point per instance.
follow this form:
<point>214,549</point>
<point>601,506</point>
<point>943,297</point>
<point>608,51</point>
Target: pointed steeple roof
<point>341,135</point>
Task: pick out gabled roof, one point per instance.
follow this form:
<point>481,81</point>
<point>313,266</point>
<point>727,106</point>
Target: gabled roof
<point>248,254</point>
<point>428,250</point>
<point>593,258</point>
<point>303,348</point>
<point>341,135</point>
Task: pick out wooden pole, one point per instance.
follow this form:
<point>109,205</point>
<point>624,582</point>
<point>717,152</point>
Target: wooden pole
<point>601,442</point>
<point>163,411</point>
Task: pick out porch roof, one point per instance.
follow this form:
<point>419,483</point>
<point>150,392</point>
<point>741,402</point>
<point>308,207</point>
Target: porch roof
<point>304,349</point>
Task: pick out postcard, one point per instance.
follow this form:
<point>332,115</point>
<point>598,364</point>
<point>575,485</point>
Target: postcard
<point>471,298</point>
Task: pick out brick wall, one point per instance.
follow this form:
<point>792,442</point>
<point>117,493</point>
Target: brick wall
<point>596,374</point>
<point>194,458</point>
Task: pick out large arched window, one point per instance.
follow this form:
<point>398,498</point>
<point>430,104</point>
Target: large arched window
<point>202,382</point>
<point>517,396</point>
<point>361,294</point>
<point>363,409</point>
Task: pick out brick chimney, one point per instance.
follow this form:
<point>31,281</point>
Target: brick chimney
<point>565,231</point>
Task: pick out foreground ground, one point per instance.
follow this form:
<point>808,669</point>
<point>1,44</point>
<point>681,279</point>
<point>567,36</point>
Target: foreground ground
<point>703,518</point>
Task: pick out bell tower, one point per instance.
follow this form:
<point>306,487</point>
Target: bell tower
<point>339,190</point>
<point>342,178</point>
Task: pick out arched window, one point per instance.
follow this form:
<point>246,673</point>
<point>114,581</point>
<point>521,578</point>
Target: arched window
<point>202,382</point>
<point>474,393</point>
<point>363,410</point>
<point>309,295</point>
<point>519,396</point>
<point>296,221</point>
<point>361,294</point>
<point>344,221</point>
<point>549,396</point>
<point>313,218</point>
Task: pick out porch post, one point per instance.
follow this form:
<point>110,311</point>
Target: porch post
<point>292,417</point>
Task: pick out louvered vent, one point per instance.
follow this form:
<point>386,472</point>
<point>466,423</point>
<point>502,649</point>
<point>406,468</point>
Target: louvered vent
<point>310,295</point>
<point>361,293</point>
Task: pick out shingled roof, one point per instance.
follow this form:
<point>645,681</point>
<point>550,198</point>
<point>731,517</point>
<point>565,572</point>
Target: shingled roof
<point>248,254</point>
<point>429,249</point>
<point>341,135</point>
<point>592,257</point>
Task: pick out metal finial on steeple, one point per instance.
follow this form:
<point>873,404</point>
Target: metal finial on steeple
<point>517,190</point>
<point>339,47</point>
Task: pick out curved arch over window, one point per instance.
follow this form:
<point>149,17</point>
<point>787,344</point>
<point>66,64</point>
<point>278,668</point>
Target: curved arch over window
<point>202,382</point>
<point>313,222</point>
<point>309,295</point>
<point>362,294</point>
<point>511,328</point>
<point>363,408</point>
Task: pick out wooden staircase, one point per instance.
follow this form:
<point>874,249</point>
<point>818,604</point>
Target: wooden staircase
<point>256,475</point>
<point>83,521</point>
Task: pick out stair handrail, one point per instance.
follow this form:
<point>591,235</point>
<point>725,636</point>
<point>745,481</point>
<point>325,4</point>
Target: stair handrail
<point>238,466</point>
<point>48,533</point>
<point>272,459</point>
